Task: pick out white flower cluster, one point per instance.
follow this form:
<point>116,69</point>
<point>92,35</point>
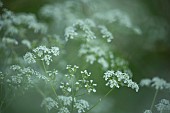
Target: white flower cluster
<point>95,52</point>
<point>115,79</point>
<point>82,82</point>
<point>105,33</point>
<point>42,52</point>
<point>49,103</point>
<point>164,105</point>
<point>81,105</point>
<point>155,82</point>
<point>113,16</point>
<point>9,40</point>
<point>64,110</point>
<point>65,100</point>
<point>88,84</point>
<point>65,87</point>
<point>147,111</point>
<point>71,69</point>
<point>30,57</point>
<point>25,76</point>
<point>12,23</point>
<point>52,74</point>
<point>72,31</point>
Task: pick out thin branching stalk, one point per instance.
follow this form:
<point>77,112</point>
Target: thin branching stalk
<point>154,98</point>
<point>100,100</point>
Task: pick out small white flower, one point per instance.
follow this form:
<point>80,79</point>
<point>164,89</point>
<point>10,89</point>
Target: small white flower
<point>66,100</point>
<point>115,79</point>
<point>147,111</point>
<point>49,103</point>
<point>155,82</point>
<point>81,105</point>
<point>163,105</point>
<point>29,57</point>
<point>64,110</point>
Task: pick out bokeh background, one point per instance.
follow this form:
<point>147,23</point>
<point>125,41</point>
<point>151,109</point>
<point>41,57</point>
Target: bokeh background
<point>148,54</point>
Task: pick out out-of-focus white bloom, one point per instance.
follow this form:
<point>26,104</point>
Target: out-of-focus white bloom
<point>65,100</point>
<point>49,103</point>
<point>163,105</point>
<point>147,111</point>
<point>81,105</point>
<point>29,58</point>
<point>155,82</point>
<point>105,33</point>
<point>64,110</point>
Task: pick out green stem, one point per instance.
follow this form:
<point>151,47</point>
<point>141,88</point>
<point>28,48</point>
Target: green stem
<point>154,98</point>
<point>53,89</point>
<point>44,67</point>
<point>72,106</point>
<point>100,100</point>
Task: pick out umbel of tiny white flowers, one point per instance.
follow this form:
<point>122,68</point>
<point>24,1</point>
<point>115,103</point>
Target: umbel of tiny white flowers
<point>43,53</point>
<point>115,79</point>
<point>155,82</point>
<point>163,105</point>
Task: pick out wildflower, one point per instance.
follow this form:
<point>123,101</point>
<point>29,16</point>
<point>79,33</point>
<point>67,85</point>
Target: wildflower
<point>81,105</point>
<point>64,110</point>
<point>70,33</point>
<point>155,82</point>
<point>115,79</point>
<point>163,105</point>
<point>49,103</point>
<point>29,57</point>
<point>66,100</point>
<point>147,111</point>
<point>106,34</point>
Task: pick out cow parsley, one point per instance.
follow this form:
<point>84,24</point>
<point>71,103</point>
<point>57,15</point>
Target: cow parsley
<point>81,105</point>
<point>155,82</point>
<point>64,110</point>
<point>105,33</point>
<point>117,79</point>
<point>43,53</point>
<point>65,100</point>
<point>147,111</point>
<point>163,105</point>
<point>49,103</point>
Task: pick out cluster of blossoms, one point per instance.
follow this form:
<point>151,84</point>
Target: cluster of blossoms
<point>164,105</point>
<point>63,103</point>
<point>95,53</point>
<point>49,103</point>
<point>82,82</point>
<point>88,84</point>
<point>72,31</point>
<point>65,87</point>
<point>43,53</point>
<point>147,111</point>
<point>105,33</point>
<point>113,16</point>
<point>11,22</point>
<point>24,76</point>
<point>115,79</point>
<point>155,82</point>
<point>81,105</point>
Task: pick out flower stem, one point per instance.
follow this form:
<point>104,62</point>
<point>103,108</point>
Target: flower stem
<point>100,100</point>
<point>154,98</point>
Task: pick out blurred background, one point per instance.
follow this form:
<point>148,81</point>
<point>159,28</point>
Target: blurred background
<point>147,51</point>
